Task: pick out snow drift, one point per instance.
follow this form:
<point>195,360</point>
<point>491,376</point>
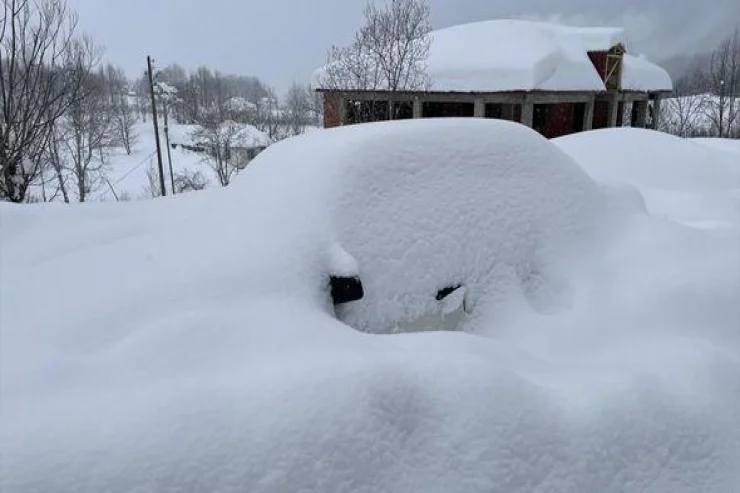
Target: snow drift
<point>693,181</point>
<point>190,343</point>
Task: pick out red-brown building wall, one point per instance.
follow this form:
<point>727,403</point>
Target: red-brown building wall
<point>560,120</point>
<point>331,110</point>
<point>601,114</point>
<point>599,59</point>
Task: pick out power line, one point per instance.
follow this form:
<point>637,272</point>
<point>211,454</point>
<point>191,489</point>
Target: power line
<point>135,167</point>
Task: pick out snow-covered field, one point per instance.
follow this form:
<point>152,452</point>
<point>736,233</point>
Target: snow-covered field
<point>128,174</point>
<point>126,177</point>
<point>190,343</point>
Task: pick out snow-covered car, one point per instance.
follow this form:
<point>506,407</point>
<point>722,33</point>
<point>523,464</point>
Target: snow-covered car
<point>198,343</point>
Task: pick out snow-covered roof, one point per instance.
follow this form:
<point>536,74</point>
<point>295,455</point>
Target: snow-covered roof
<point>239,103</point>
<point>516,55</point>
<point>240,135</point>
<point>250,136</point>
<point>639,74</point>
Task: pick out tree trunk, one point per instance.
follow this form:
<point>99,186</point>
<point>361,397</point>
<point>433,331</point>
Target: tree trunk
<point>62,183</point>
<point>15,184</point>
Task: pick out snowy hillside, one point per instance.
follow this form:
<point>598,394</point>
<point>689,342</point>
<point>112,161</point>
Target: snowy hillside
<point>129,174</point>
<point>133,176</point>
<point>191,344</point>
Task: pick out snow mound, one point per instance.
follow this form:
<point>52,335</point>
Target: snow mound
<point>400,198</point>
<point>728,145</point>
<point>189,343</point>
<point>683,179</point>
<point>653,159</point>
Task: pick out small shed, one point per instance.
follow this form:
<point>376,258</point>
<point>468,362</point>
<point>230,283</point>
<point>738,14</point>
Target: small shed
<point>553,78</point>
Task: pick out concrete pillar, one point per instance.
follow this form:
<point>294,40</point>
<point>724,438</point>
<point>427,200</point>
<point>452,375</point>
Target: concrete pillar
<point>479,108</point>
<point>418,108</point>
<point>639,114</point>
<point>528,111</point>
<point>655,124</point>
<point>588,115</point>
<point>613,109</point>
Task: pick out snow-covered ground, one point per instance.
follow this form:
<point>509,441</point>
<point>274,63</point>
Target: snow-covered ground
<point>693,181</point>
<point>729,145</point>
<point>127,176</point>
<point>190,344</point>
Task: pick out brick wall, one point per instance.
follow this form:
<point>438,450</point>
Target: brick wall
<point>601,114</point>
<point>331,110</point>
<point>560,120</point>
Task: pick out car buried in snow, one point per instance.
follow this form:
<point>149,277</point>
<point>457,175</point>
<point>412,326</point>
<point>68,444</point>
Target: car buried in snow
<point>239,339</point>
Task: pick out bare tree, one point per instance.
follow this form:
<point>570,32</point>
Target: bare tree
<point>219,140</point>
<point>212,95</point>
<point>268,116</point>
<point>57,158</point>
<point>297,109</point>
<point>122,112</point>
<point>89,133</point>
<point>388,53</point>
<point>397,39</point>
<point>143,101</point>
<point>37,48</point>
<point>724,80</point>
<point>684,113</point>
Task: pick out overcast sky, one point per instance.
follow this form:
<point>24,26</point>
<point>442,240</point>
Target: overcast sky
<point>284,40</point>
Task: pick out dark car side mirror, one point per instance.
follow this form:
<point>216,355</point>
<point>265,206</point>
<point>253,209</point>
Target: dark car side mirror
<point>346,289</point>
<point>444,293</point>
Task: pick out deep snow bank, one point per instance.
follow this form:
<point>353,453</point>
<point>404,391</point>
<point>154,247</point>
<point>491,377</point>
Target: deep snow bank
<point>652,159</point>
<point>188,343</point>
<point>727,145</point>
<point>683,179</point>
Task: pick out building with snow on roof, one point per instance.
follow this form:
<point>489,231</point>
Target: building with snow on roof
<point>556,79</point>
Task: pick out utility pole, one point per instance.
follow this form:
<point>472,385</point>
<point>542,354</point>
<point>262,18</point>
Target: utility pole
<point>167,142</point>
<point>162,188</point>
